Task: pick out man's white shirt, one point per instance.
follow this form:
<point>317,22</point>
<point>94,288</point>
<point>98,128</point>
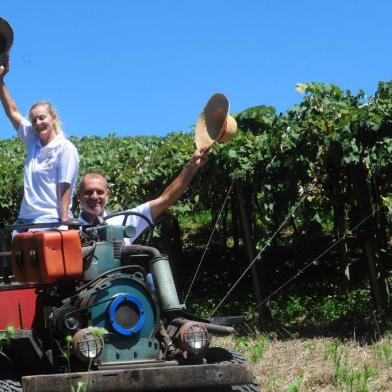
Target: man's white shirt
<point>137,222</point>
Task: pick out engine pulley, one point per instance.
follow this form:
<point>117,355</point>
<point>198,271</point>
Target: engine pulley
<point>126,314</point>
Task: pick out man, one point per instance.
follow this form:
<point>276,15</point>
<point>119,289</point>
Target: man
<point>93,194</point>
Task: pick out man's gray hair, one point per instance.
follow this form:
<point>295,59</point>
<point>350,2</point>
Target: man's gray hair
<point>92,176</point>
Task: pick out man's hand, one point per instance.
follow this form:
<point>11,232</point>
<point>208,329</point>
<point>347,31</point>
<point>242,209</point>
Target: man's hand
<point>199,158</point>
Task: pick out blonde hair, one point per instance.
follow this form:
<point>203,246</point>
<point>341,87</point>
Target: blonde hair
<point>53,112</point>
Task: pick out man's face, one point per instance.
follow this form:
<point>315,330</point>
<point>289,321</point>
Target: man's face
<point>93,196</point>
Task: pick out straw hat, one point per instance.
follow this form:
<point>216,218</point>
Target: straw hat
<point>215,123</point>
<point>6,40</point>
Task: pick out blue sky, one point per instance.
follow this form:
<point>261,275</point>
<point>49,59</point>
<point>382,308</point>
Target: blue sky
<point>148,68</point>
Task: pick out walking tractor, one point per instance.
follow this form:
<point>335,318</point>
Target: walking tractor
<point>80,312</point>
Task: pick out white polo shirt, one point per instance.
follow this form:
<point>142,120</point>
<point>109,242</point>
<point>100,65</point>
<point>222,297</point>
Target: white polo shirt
<point>45,168</point>
<point>137,222</point>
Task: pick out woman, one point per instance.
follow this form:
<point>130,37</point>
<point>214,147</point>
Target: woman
<point>51,165</point>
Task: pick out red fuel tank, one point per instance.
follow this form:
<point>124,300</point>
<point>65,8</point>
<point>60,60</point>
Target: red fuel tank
<point>47,256</point>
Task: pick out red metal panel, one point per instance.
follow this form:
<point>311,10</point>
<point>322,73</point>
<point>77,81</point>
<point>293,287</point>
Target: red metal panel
<point>18,307</point>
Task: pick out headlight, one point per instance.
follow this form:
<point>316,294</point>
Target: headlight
<point>193,337</point>
<point>87,345</point>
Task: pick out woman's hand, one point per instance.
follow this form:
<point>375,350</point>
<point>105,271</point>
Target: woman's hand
<point>4,69</point>
<point>71,222</point>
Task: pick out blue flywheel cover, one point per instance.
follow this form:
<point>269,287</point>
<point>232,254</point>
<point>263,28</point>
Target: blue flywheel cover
<point>120,299</point>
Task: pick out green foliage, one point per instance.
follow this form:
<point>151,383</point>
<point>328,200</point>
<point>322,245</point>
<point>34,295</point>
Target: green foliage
<point>338,307</point>
<point>12,153</point>
<point>196,220</point>
<point>203,308</point>
<point>273,156</point>
<point>137,168</point>
<point>313,309</point>
<point>293,309</point>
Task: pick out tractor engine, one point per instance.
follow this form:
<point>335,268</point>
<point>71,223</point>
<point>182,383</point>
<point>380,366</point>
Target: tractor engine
<point>122,304</point>
<point>123,290</point>
<point>83,309</point>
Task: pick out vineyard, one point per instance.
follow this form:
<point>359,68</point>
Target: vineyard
<point>308,190</point>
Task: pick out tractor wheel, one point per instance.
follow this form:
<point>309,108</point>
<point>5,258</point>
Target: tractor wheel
<point>9,381</point>
<point>221,355</point>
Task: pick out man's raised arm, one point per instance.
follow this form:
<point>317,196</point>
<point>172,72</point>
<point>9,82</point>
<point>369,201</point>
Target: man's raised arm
<point>174,191</point>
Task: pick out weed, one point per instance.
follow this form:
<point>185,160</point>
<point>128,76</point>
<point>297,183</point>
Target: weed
<point>347,378</point>
<point>357,381</point>
<point>308,351</point>
<point>81,386</point>
<point>276,383</point>
<point>383,350</point>
<point>295,385</point>
<point>5,338</point>
<point>255,348</point>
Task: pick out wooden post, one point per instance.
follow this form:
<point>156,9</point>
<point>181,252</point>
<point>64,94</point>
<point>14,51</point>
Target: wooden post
<point>376,271</point>
<point>264,316</point>
<point>340,232</point>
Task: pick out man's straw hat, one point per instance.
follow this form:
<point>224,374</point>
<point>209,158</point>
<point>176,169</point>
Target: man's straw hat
<point>6,40</point>
<point>215,123</point>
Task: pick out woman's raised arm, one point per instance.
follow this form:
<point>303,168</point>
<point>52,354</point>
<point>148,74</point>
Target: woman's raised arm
<point>9,105</point>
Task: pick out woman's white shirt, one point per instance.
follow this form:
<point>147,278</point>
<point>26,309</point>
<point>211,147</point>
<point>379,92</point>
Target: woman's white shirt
<point>45,167</point>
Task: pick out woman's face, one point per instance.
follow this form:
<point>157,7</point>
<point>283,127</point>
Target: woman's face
<point>44,123</point>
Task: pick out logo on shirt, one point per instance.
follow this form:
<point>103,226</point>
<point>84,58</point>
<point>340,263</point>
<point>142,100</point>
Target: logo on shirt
<point>47,163</point>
